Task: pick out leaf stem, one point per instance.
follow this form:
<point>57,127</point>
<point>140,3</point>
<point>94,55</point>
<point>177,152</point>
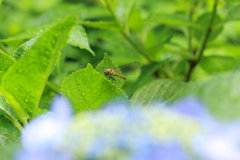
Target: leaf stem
<point>125,35</point>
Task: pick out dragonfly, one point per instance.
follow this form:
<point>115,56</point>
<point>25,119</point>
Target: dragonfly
<point>110,72</point>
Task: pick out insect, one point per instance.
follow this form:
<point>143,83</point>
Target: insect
<point>110,72</point>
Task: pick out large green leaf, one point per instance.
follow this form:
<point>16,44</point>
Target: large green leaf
<point>87,89</point>
<point>159,90</point>
<point>24,82</point>
<point>5,62</point>
<point>220,93</point>
<point>213,64</point>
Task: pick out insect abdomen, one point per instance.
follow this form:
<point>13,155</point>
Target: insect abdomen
<point>120,76</point>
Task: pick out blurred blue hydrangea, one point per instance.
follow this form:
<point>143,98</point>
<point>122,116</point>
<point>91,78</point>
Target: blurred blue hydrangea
<point>119,131</point>
<point>42,137</point>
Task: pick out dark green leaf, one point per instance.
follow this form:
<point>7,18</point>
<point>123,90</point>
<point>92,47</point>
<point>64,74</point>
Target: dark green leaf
<point>5,62</point>
<point>87,89</point>
<point>108,25</point>
<point>234,14</point>
<point>204,21</point>
<point>6,111</point>
<point>169,19</point>
<point>146,75</point>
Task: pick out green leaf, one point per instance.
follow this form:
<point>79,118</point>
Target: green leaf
<point>146,74</point>
<point>59,12</point>
<point>159,90</point>
<point>78,37</point>
<point>7,127</point>
<point>7,111</point>
<point>220,93</point>
<point>23,84</point>
<point>107,62</point>
<point>170,19</point>
<point>233,13</point>
<point>21,50</point>
<point>204,21</point>
<point>5,62</point>
<point>88,90</point>
<point>34,32</point>
<point>108,25</point>
<point>213,64</point>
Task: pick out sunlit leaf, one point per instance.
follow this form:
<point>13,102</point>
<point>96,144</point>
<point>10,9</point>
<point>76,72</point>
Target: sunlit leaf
<point>87,89</point>
<point>23,84</point>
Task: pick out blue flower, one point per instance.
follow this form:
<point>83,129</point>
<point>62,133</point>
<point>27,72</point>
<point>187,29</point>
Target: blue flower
<point>42,137</point>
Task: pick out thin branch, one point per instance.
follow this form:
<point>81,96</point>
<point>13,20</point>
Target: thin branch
<point>200,51</point>
<point>208,32</point>
<point>125,35</point>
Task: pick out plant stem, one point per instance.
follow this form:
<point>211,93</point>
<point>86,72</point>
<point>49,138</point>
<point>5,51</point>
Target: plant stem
<point>208,32</point>
<point>190,30</point>
<point>200,51</point>
<point>125,35</point>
